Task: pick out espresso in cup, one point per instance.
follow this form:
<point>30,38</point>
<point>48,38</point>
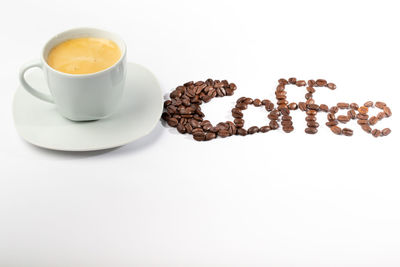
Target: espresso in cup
<point>85,70</point>
<point>84,55</point>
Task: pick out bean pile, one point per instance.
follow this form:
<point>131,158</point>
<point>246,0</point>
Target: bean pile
<point>183,110</point>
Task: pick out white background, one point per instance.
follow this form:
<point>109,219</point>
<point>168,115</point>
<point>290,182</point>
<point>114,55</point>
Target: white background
<point>271,199</point>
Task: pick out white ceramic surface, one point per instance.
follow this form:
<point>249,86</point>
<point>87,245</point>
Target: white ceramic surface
<point>140,109</point>
<point>80,97</point>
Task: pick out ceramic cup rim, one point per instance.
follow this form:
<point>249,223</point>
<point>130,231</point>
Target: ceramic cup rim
<point>87,30</point>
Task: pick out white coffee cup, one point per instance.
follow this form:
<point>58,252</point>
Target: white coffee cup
<point>81,97</point>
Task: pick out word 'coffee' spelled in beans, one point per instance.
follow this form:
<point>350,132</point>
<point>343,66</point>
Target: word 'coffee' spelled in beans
<point>183,110</point>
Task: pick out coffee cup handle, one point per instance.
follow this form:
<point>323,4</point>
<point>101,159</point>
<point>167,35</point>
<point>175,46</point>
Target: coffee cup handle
<point>33,64</point>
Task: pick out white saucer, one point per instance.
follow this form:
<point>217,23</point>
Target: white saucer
<point>39,122</point>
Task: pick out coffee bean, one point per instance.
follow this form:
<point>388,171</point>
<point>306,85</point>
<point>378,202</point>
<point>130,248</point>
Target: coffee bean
<point>199,136</point>
<point>332,123</point>
<point>189,128</point>
<point>376,132</point>
<point>308,95</point>
<point>293,106</point>
<point>272,116</point>
<point>288,129</point>
<point>310,89</point>
<point>380,104</point>
<point>241,132</point>
<point>368,104</point>
<point>366,128</point>
<point>311,118</point>
<point>334,109</point>
<point>387,111</point>
<point>373,120</point>
<point>311,112</point>
<point>362,116</point>
<point>336,130</point>
<point>351,114</point>
<point>269,106</point>
<point>310,101</point>
<point>363,110</point>
<point>311,82</point>
<point>283,81</point>
<point>253,130</point>
<point>223,133</point>
<point>231,128</point>
<point>386,131</point>
<point>237,113</point>
<point>362,122</point>
<point>257,102</point>
<point>282,102</point>
<point>323,107</point>
<point>302,106</point>
<point>173,122</point>
<point>265,129</point>
<point>301,83</point>
<point>343,118</point>
<point>239,122</point>
<point>195,123</point>
<point>313,106</point>
<point>313,124</point>
<point>331,117</point>
<point>331,86</point>
<point>286,118</point>
<point>273,124</point>
<point>286,123</point>
<point>343,105</point>
<point>265,101</point>
<point>241,106</point>
<point>347,132</point>
<point>321,82</point>
<point>381,115</point>
<point>292,80</point>
<point>354,106</point>
<point>311,130</point>
<point>248,101</point>
<point>280,88</point>
<point>181,128</point>
<point>285,111</point>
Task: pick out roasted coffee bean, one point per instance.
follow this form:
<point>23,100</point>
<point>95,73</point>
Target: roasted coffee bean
<point>313,124</point>
<point>165,116</point>
<point>324,107</point>
<point>286,123</point>
<point>311,118</point>
<point>240,99</point>
<point>343,118</point>
<point>313,106</point>
<point>363,110</point>
<point>292,80</point>
<point>253,130</point>
<point>231,127</point>
<point>264,129</point>
<point>373,120</point>
<point>311,130</point>
<point>239,122</point>
<point>197,130</point>
<point>343,105</point>
<point>386,131</point>
<point>173,122</point>
<point>302,106</point>
<point>354,106</point>
<point>321,82</point>
<point>257,102</point>
<point>232,86</point>
<point>347,132</point>
<point>387,111</point>
<point>331,117</point>
<point>286,118</point>
<point>310,101</point>
<point>248,101</point>
<point>171,109</point>
<point>332,123</point>
<point>241,132</point>
<point>282,101</point>
<point>288,129</point>
<point>334,109</point>
<point>265,101</point>
<point>381,115</point>
<point>280,96</point>
<point>366,128</point>
<point>189,128</point>
<point>283,81</point>
<point>269,106</point>
<point>272,116</point>
<point>292,106</point>
<point>181,128</point>
<point>308,95</point>
<point>310,89</point>
<point>331,86</point>
<point>280,88</point>
<point>301,83</point>
<point>223,133</point>
<point>273,124</point>
<point>380,104</point>
<point>336,130</point>
<point>311,112</point>
<point>167,103</point>
<point>195,123</point>
<point>236,113</point>
<point>368,104</point>
<point>362,116</point>
<point>362,122</point>
<point>241,106</point>
<point>311,82</point>
<point>351,113</point>
<point>376,132</point>
<point>285,111</point>
<point>199,136</point>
